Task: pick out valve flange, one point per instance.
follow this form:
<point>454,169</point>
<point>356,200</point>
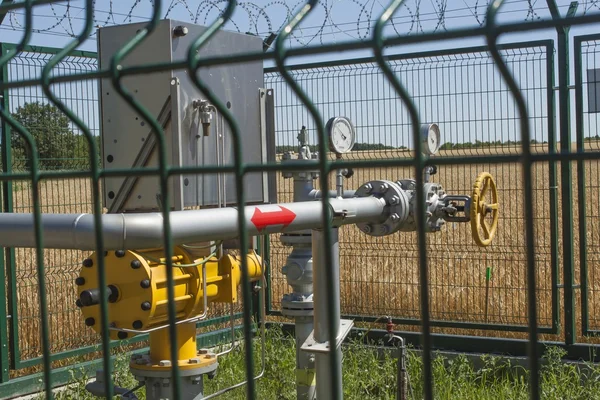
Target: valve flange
<point>395,198</point>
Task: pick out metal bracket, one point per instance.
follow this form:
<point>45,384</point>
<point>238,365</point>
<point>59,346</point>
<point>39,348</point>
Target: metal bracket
<point>311,345</point>
<point>464,209</point>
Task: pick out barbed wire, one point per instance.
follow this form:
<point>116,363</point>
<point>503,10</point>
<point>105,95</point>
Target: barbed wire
<point>590,6</point>
<point>326,26</point>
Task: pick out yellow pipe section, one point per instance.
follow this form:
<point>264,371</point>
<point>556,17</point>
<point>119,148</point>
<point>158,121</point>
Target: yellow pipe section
<point>160,345</point>
<point>142,286</point>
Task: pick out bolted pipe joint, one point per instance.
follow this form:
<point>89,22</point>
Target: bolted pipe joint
<point>398,207</point>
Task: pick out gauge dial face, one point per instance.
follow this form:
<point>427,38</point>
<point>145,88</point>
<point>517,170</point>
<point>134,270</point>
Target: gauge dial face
<point>430,135</point>
<point>341,134</point>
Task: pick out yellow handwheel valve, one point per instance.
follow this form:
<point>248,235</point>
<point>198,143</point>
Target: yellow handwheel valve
<point>484,209</point>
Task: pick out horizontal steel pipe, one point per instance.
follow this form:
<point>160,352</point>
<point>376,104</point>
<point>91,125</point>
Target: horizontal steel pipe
<point>316,194</point>
<point>145,230</point>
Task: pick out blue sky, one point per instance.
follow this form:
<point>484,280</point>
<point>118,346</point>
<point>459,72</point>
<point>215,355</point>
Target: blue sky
<point>340,21</point>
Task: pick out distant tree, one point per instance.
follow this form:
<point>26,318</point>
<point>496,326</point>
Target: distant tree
<point>284,148</point>
<point>57,146</point>
<point>356,147</point>
<point>371,147</point>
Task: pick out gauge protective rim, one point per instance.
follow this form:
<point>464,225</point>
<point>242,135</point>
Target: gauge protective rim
<point>425,129</point>
<point>329,128</point>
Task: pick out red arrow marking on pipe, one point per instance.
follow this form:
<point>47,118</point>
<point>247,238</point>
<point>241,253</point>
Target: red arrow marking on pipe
<point>263,219</point>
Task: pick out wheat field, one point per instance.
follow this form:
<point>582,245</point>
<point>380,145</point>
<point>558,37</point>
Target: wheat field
<point>379,276</point>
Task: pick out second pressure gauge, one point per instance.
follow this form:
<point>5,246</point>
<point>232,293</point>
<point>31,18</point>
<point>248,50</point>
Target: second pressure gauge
<point>341,134</point>
<point>430,137</point>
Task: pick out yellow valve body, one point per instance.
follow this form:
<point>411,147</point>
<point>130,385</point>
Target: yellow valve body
<point>140,278</point>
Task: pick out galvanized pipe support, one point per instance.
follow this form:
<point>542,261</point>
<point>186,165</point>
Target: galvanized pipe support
<point>298,271</point>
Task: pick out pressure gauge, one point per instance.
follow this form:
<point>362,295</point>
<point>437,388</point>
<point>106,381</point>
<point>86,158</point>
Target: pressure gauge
<point>341,134</point>
<point>430,137</point>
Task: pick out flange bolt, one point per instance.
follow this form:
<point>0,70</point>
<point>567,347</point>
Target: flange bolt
<point>122,335</point>
<point>88,262</point>
<point>137,324</point>
<point>146,306</point>
<point>135,264</point>
<point>80,281</point>
<point>90,321</point>
<point>145,284</point>
<point>120,253</point>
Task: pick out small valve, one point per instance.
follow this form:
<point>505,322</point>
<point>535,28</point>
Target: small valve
<point>303,136</point>
<point>389,326</point>
<point>206,111</point>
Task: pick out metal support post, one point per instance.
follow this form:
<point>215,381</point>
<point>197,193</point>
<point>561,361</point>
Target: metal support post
<point>305,362</point>
<point>325,390</point>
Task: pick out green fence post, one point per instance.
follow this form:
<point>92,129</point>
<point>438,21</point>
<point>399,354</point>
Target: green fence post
<point>7,200</point>
<point>7,204</point>
<point>553,183</point>
<point>581,192</point>
<point>566,178</point>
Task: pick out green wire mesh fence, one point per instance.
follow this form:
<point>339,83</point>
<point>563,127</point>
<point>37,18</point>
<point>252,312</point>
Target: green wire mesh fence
<point>501,100</point>
<point>460,90</point>
<point>60,149</point>
<point>587,58</point>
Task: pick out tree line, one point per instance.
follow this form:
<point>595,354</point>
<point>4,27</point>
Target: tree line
<point>479,144</point>
<point>356,147</point>
<point>58,147</point>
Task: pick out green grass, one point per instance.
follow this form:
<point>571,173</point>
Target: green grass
<point>367,376</point>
